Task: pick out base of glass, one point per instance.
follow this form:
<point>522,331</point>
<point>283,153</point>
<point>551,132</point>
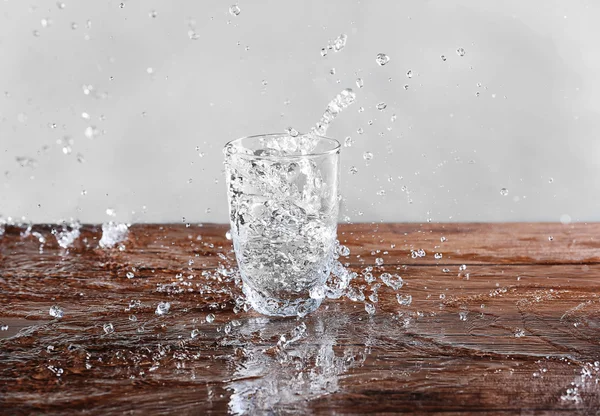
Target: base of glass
<point>274,307</point>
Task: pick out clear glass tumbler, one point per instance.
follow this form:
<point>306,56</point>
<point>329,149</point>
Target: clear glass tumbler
<point>283,206</point>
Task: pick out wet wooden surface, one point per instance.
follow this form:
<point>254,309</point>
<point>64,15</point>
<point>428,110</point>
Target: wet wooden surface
<point>516,330</point>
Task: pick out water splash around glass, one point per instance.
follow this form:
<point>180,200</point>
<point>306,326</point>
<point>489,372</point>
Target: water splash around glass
<point>283,205</point>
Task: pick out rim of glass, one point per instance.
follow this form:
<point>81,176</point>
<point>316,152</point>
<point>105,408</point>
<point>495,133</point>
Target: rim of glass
<point>336,147</point>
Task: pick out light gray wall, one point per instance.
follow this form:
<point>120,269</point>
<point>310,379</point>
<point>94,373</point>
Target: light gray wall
<point>536,117</point>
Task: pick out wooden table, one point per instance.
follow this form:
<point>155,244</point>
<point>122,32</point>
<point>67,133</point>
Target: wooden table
<point>516,330</point>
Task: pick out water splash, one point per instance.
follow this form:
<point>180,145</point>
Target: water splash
<point>113,233</point>
<point>66,236</point>
<point>341,101</point>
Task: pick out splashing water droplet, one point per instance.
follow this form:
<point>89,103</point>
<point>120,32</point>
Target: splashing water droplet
<point>392,280</point>
<point>194,333</point>
<point>463,315</point>
<point>339,43</point>
<point>162,308</point>
<point>153,14</point>
<point>443,239</point>
<point>382,59</point>
<point>210,318</point>
<point>379,261</point>
<point>353,170</point>
<point>108,328</point>
<point>409,74</point>
<point>56,312</point>
<point>341,101</point>
<point>360,82</point>
<point>368,156</point>
<point>61,5</point>
<point>235,10</point>
<point>343,251</point>
<point>460,52</point>
<point>370,308</point>
<point>503,191</point>
<point>324,52</point>
<point>438,256</point>
<point>404,300</point>
<point>348,142</point>
<point>443,58</point>
<point>381,106</point>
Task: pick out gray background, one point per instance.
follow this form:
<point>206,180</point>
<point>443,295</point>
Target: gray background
<point>533,129</point>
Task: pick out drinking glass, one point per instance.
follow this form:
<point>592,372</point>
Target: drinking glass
<point>283,206</point>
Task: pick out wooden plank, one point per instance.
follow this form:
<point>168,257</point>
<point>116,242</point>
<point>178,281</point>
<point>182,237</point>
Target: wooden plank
<point>511,333</point>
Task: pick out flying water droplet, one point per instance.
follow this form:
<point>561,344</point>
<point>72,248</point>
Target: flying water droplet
<point>379,261</point>
<point>61,5</point>
<point>438,256</point>
<point>340,42</point>
<point>108,328</point>
<point>234,10</point>
<point>348,142</point>
<point>91,132</point>
<point>392,280</point>
<point>382,59</point>
<point>381,106</point>
<point>130,275</point>
<point>443,58</point>
<point>360,82</point>
<point>370,308</point>
<point>353,170</point>
<point>153,14</point>
<point>56,312</point>
<point>503,191</point>
<point>463,315</point>
<point>368,156</point>
<point>162,308</point>
<point>404,300</point>
<point>409,74</point>
<point>210,318</point>
<point>460,52</point>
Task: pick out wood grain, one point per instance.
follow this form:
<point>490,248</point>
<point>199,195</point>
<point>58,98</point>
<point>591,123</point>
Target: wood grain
<point>515,332</point>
